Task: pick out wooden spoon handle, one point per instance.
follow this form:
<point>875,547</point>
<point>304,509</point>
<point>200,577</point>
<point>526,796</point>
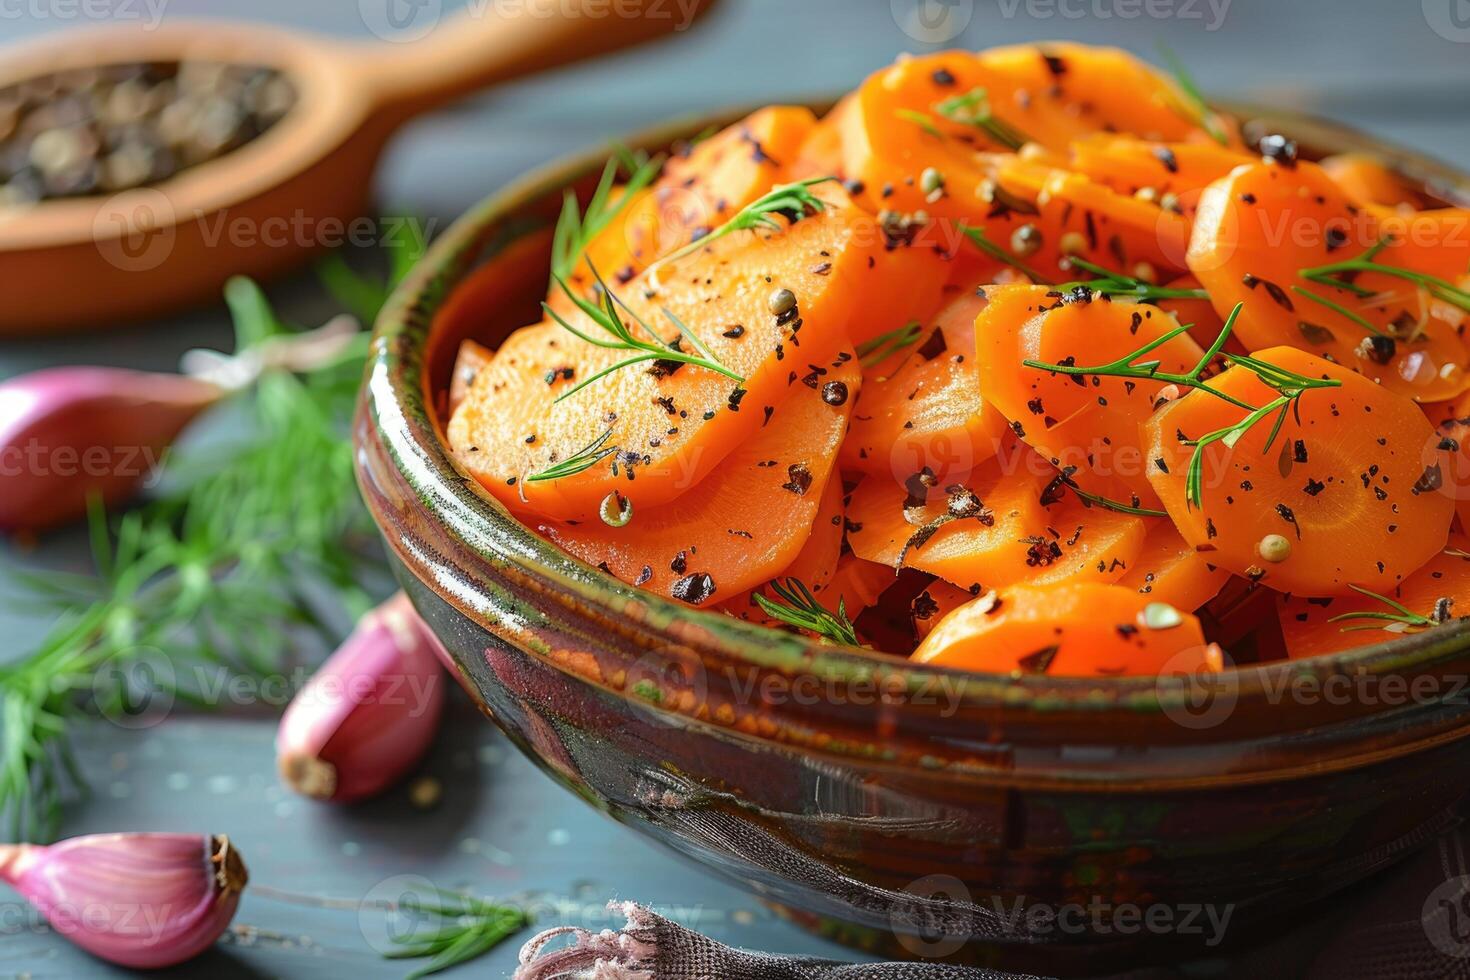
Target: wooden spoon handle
<point>496,40</point>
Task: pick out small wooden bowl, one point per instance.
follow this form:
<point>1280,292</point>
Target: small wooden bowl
<point>898,806</point>
<point>258,210</point>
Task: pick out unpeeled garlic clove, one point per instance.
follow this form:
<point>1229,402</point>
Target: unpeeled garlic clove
<point>145,901</point>
<point>368,716</point>
<point>69,433</point>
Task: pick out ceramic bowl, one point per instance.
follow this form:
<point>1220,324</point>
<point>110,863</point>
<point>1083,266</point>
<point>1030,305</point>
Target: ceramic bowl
<point>910,809</point>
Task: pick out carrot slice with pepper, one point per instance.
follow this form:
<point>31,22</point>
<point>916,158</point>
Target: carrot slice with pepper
<point>1263,227</point>
<point>1321,492</point>
<point>937,600</point>
<point>813,566</point>
<point>1086,425</point>
<point>467,364</point>
<point>671,423</point>
<point>1170,569</point>
<point>1438,592</point>
<point>1170,175</point>
<point>1369,182</point>
<point>1079,630</point>
<point>742,524</point>
<point>929,412</point>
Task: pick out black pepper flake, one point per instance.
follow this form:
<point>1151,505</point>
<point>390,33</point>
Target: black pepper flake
<point>1289,516</point>
<point>1314,334</point>
<point>1210,531</point>
<point>834,393</point>
<point>943,76</point>
<point>644,576</point>
<point>924,606</point>
<point>1313,487</point>
<point>1166,156</point>
<point>735,332</point>
<point>769,410</point>
<point>666,403</point>
<point>1280,149</point>
<point>734,402</point>
<point>560,374</point>
<point>1299,451</point>
<point>934,346</point>
<point>1277,294</point>
<point>798,479</point>
<point>1378,348</point>
<point>1163,466</point>
<point>1336,239</point>
<point>1041,552</point>
<point>1430,480</point>
<point>1038,662</point>
<point>680,564</point>
<point>693,589</point>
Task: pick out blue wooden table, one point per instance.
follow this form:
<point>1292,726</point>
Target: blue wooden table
<point>1398,69</point>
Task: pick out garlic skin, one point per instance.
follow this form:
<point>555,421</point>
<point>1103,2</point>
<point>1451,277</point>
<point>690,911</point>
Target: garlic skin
<point>368,716</point>
<point>70,432</point>
<point>145,901</point>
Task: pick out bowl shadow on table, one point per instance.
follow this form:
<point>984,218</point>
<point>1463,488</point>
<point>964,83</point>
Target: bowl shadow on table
<point>844,814</point>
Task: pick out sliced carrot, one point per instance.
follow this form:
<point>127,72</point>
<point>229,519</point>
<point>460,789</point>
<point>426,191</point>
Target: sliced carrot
<point>672,423</point>
<point>929,412</point>
<point>1012,537</point>
<point>609,252</point>
<point>1169,569</point>
<point>467,364</point>
<point>813,566</point>
<point>1261,226</point>
<point>906,121</point>
<point>1367,181</point>
<point>741,525</point>
<point>856,585</point>
<point>1344,491</point>
<point>1087,425</point>
<point>1080,630</point>
<point>1441,588</point>
<point>820,154</point>
<point>1205,323</point>
<point>1452,425</point>
<point>1171,175</point>
<point>936,601</point>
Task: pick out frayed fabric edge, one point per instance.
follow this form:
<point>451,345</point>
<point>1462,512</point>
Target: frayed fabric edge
<point>629,954</point>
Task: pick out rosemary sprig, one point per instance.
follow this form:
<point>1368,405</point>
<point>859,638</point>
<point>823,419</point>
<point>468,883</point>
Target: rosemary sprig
<point>921,120</point>
<point>605,314</point>
<point>1402,614</point>
<point>253,546</point>
<point>885,345</point>
<point>1327,275</point>
<point>1117,284</point>
<point>1321,300</point>
<point>801,609</point>
<point>466,929</point>
<point>973,109</point>
<point>792,201</point>
<point>990,248</point>
<point>575,228</point>
<point>1193,101</point>
<point>583,459</point>
<point>1108,504</point>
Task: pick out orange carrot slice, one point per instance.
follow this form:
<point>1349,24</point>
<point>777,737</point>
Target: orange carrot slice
<point>1440,590</point>
<point>937,600</point>
<point>1080,630</point>
<point>1169,569</point>
<point>929,412</point>
<point>813,566</point>
<point>467,364</point>
<point>1342,497</point>
<point>742,524</point>
<point>1368,181</point>
<point>1257,231</point>
<point>672,422</point>
<point>1086,425</point>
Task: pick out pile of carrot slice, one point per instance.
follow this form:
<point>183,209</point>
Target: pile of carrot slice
<point>1018,361</point>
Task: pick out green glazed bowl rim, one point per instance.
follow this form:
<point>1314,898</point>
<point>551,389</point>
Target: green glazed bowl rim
<point>397,410</point>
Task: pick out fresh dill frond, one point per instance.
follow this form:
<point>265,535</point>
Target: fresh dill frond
<point>1401,614</point>
<point>456,929</point>
<point>582,460</point>
<point>1111,283</point>
<point>576,227</point>
<point>885,345</point>
<point>973,108</point>
<point>799,608</point>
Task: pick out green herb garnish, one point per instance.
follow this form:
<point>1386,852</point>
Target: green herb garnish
<point>973,109</point>
<point>922,121</point>
<point>801,609</point>
<point>990,248</point>
<point>1327,275</point>
<point>464,929</point>
<point>606,315</point>
<point>576,228</point>
<point>1402,614</point>
<point>885,345</point>
<point>1360,320</point>
<point>1117,284</point>
<point>1192,100</point>
<point>1288,384</point>
<point>583,459</point>
<point>794,201</point>
<point>1108,504</point>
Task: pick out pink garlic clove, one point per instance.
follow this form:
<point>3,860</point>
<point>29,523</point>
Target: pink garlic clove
<point>71,432</point>
<point>368,716</point>
<point>145,901</point>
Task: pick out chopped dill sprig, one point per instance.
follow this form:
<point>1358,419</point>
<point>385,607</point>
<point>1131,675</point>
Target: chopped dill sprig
<point>583,459</point>
<point>607,317</point>
<point>973,109</point>
<point>1401,615</point>
<point>1321,300</point>
<point>1117,284</point>
<point>1108,504</point>
<point>575,228</point>
<point>801,609</point>
<point>1192,100</point>
<point>1327,275</point>
<point>458,929</point>
<point>793,201</point>
<point>990,248</point>
<point>885,345</point>
<point>921,120</point>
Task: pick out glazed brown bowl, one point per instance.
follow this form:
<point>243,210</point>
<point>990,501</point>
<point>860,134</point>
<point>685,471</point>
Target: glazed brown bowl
<point>908,808</point>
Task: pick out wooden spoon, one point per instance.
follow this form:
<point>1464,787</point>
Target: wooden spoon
<point>77,262</point>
